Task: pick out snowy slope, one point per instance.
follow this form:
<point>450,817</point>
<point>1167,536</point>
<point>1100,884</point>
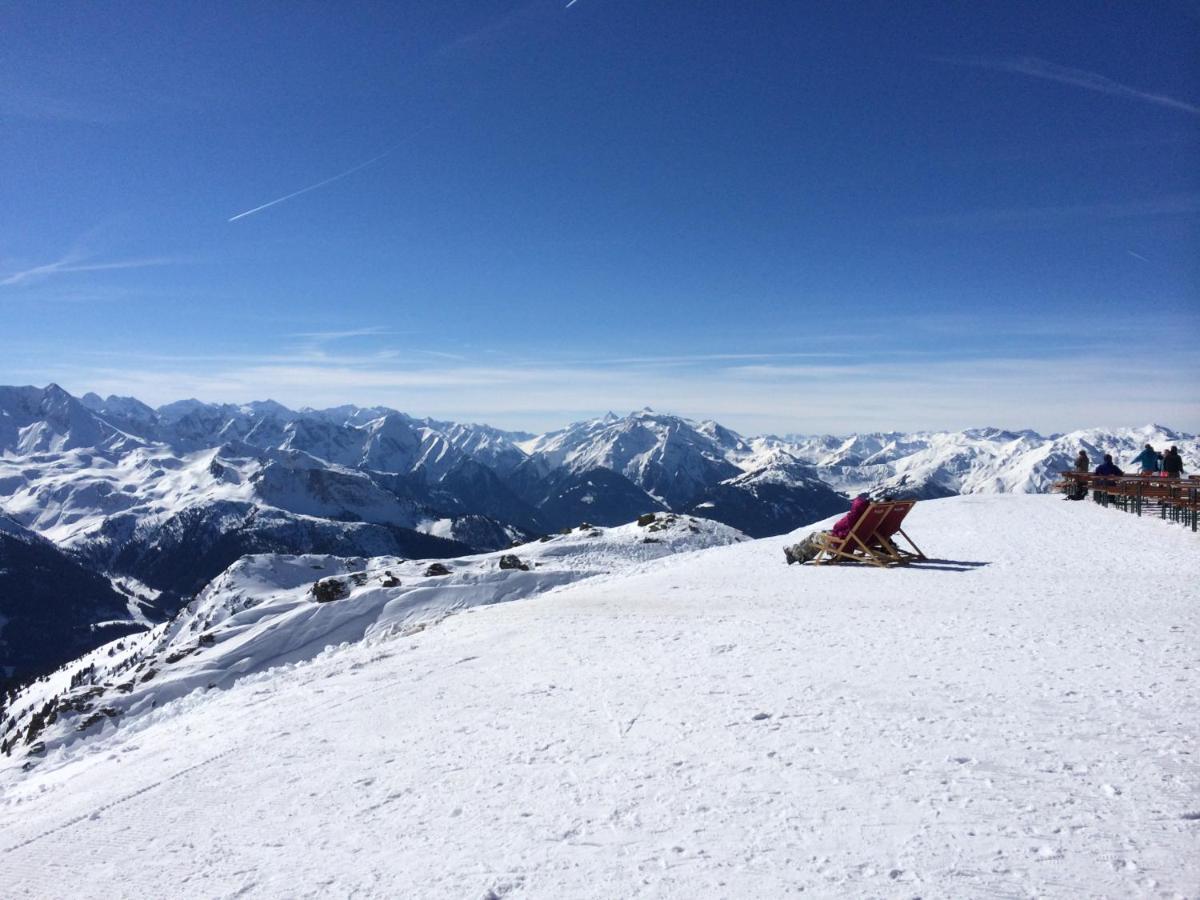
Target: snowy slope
<point>1018,718</point>
<point>269,610</point>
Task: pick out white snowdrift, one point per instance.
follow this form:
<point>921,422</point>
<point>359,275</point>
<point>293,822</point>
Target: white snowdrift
<point>1017,719</point>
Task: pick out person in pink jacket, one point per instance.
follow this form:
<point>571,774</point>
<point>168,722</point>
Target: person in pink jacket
<point>809,547</point>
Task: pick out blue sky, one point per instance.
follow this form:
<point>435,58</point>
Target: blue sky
<point>789,217</point>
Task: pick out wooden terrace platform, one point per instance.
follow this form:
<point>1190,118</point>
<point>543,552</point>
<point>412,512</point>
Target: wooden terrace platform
<point>1177,499</point>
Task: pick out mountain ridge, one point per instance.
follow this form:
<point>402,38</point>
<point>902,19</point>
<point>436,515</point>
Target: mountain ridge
<point>169,497</point>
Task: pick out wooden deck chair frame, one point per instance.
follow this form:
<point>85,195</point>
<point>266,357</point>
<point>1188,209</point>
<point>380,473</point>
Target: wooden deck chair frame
<point>855,546</point>
<point>885,535</point>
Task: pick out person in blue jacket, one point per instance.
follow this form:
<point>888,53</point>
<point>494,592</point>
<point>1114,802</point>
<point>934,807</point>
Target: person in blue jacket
<point>1148,459</point>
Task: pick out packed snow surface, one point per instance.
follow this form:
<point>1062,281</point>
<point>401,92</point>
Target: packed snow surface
<point>1017,717</point>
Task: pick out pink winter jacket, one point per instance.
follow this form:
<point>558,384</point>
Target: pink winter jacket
<point>846,522</point>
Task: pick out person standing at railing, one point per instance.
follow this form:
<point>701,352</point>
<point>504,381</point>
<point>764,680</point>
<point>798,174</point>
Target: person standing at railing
<point>1148,459</point>
<point>1172,463</point>
<point>1108,467</point>
<point>1077,487</point>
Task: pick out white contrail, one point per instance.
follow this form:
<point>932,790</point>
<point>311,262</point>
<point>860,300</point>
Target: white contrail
<point>1137,256</point>
<point>1091,81</point>
<point>338,177</point>
<point>572,3</point>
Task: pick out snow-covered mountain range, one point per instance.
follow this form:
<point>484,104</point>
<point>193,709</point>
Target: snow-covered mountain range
<point>157,502</point>
<point>925,465</point>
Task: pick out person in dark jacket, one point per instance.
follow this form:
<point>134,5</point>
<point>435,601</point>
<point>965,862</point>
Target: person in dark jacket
<point>1108,467</point>
<point>1077,490</point>
<point>1148,459</point>
<point>1172,463</point>
<point>809,547</point>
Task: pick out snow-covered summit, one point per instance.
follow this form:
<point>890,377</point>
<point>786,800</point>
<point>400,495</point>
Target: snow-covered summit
<point>50,420</point>
<point>127,412</point>
<point>669,457</point>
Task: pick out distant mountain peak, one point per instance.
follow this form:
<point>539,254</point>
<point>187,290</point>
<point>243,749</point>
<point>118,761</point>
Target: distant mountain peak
<point>267,408</point>
<point>1156,429</point>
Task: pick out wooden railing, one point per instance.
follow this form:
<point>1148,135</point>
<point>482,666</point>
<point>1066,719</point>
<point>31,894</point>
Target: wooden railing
<point>1177,499</point>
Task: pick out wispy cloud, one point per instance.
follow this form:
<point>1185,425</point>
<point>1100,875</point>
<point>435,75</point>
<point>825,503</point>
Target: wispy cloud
<point>691,359</point>
<point>1175,204</point>
<point>74,263</point>
<point>491,31</point>
<point>342,335</point>
<point>319,347</point>
<point>439,354</point>
<point>1092,81</point>
<point>37,106</point>
<point>866,393</point>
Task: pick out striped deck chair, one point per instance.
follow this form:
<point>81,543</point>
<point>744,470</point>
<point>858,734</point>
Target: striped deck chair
<point>884,538</point>
<point>856,545</point>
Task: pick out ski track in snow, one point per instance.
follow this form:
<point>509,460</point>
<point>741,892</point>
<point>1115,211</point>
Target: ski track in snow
<point>721,725</point>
